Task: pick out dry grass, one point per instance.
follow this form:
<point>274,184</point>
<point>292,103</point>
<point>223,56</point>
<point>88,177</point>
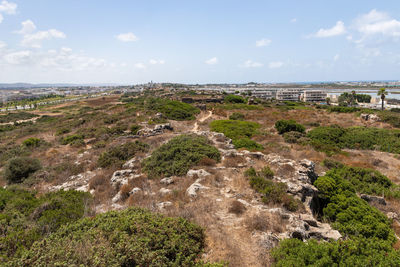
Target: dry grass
<point>265,222</point>
<point>237,207</point>
<point>233,161</point>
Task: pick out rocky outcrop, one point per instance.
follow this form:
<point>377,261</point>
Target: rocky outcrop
<point>194,188</point>
<point>122,177</point>
<point>197,173</point>
<point>167,181</point>
<point>78,182</point>
<point>370,117</point>
<point>157,130</point>
<point>373,199</point>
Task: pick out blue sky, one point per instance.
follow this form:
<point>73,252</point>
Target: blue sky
<point>204,41</point>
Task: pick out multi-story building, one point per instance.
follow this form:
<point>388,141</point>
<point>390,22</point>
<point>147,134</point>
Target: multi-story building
<point>292,94</point>
<point>314,96</point>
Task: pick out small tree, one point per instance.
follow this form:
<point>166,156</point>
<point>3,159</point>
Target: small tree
<point>18,169</point>
<point>383,93</point>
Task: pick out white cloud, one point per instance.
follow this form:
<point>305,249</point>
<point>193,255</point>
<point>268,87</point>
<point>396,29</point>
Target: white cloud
<point>2,45</point>
<point>251,64</point>
<point>263,42</point>
<point>35,39</point>
<point>20,57</point>
<point>336,30</point>
<point>8,7</point>
<point>376,22</point>
<point>293,20</point>
<point>1,18</point>
<point>336,57</point>
<point>155,62</point>
<point>275,65</point>
<point>27,27</point>
<point>127,37</point>
<point>212,61</point>
<point>140,66</point>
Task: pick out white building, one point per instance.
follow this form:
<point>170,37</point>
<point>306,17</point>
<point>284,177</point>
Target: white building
<point>314,96</point>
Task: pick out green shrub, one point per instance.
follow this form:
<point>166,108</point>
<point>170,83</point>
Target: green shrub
<point>236,116</point>
<point>247,143</point>
<point>358,252</point>
<point>284,126</point>
<point>334,138</point>
<point>330,164</point>
<point>272,192</point>
<point>390,117</point>
<point>27,218</point>
<point>18,169</point>
<point>179,155</point>
<point>235,129</point>
<point>341,109</point>
<point>62,131</point>
<point>293,137</point>
<point>32,142</point>
<point>135,128</point>
<point>72,139</point>
<point>235,99</point>
<point>118,154</point>
<point>133,237</point>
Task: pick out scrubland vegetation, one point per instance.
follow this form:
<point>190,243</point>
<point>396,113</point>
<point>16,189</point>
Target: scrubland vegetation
<point>96,137</point>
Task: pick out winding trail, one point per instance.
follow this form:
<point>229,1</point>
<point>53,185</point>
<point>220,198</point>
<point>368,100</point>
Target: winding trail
<point>202,119</point>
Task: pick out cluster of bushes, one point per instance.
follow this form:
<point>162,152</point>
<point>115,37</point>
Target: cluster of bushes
<point>272,192</point>
<point>133,237</point>
<point>74,140</point>
<point>346,99</point>
<point>234,99</point>
<point>26,218</point>
<point>17,116</point>
<point>179,155</point>
<point>284,126</point>
<point>33,142</point>
<point>171,109</point>
<point>236,116</point>
<point>332,138</point>
<point>239,131</point>
<point>393,118</point>
<point>352,252</point>
<point>343,109</point>
<point>118,154</point>
<point>294,137</point>
<point>369,235</point>
<point>19,168</point>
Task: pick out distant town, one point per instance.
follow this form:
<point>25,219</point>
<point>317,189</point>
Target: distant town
<point>29,96</point>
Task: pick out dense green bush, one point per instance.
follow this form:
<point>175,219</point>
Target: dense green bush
<point>135,128</point>
<point>348,213</point>
<point>235,129</point>
<point>358,252</point>
<point>235,99</point>
<point>32,142</point>
<point>26,218</point>
<point>284,126</point>
<point>330,163</point>
<point>178,155</point>
<point>118,154</point>
<point>18,169</point>
<point>236,116</point>
<point>390,117</point>
<point>239,131</point>
<point>72,139</point>
<point>133,237</point>
<point>341,109</point>
<point>272,192</point>
<point>247,143</point>
<point>333,138</point>
<point>171,109</point>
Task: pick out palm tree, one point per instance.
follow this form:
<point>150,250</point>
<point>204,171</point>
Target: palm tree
<point>353,98</point>
<point>383,93</point>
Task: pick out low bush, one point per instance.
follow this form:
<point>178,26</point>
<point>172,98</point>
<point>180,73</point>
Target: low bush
<point>178,155</point>
<point>342,109</point>
<point>118,154</point>
<point>272,192</point>
<point>236,116</point>
<point>237,207</point>
<point>72,139</point>
<point>284,126</point>
<point>135,128</point>
<point>133,237</point>
<point>235,99</point>
<point>247,143</point>
<point>334,138</point>
<point>330,163</point>
<point>239,131</point>
<point>293,137</point>
<point>32,142</point>
<point>18,169</point>
<point>393,118</point>
<point>353,252</point>
<point>26,218</point>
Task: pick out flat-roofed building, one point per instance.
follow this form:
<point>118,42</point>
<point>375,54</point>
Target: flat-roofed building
<point>289,94</point>
<point>314,95</point>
